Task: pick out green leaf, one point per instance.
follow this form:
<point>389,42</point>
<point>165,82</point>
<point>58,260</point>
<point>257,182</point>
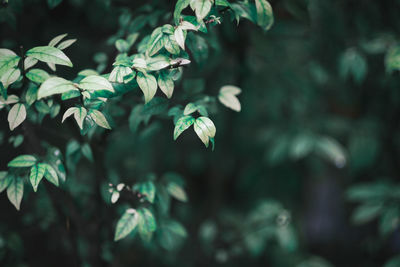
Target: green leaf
<point>147,223</point>
<point>182,124</point>
<point>68,113</point>
<point>202,8</point>
<point>87,152</point>
<point>118,73</point>
<point>36,175</point>
<point>99,118</point>
<point>70,94</point>
<point>180,37</point>
<point>3,91</point>
<point>8,62</point>
<point>49,54</point>
<point>147,189</point>
<point>189,109</point>
<point>31,94</point>
<point>53,42</point>
<point>65,44</point>
<point>80,115</point>
<point>227,96</point>
<point>55,85</point>
<point>366,212</point>
<point>50,174</point>
<point>96,83</point>
<point>88,72</point>
<point>389,220</point>
<point>29,62</point>
<point>171,45</point>
<point>392,59</point>
<point>22,161</point>
<point>148,85</point>
<point>122,45</point>
<point>156,42</point>
<point>176,191</point>
<point>265,17</point>
<point>165,83</point>
<point>126,224</point>
<point>155,106</point>
<point>16,116</point>
<point>15,191</point>
<point>180,5</point>
<point>331,150</point>
<point>42,107</point>
<point>157,63</point>
<point>53,3</point>
<point>4,180</point>
<point>204,129</point>
<point>37,75</point>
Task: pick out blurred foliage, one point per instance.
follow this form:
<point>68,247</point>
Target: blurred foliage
<point>306,174</point>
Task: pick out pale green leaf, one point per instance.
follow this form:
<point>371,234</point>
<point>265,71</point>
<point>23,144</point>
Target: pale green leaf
<point>80,115</point>
<point>180,37</point>
<point>99,118</point>
<point>126,224</point>
<point>22,161</point>
<point>5,180</point>
<point>118,73</point>
<point>165,83</point>
<point>7,62</point>
<point>171,45</point>
<point>182,124</point>
<point>65,44</point>
<point>189,109</point>
<point>49,54</point>
<point>55,85</point>
<point>16,116</point>
<point>157,63</point>
<point>68,113</point>
<point>180,5</point>
<point>15,191</point>
<point>148,85</point>
<point>95,83</point>
<point>57,39</point>
<point>265,17</point>
<point>147,223</point>
<point>50,174</point>
<point>36,175</point>
<point>156,42</point>
<point>29,62</point>
<point>204,129</point>
<point>176,191</point>
<point>202,8</point>
<point>10,76</point>
<point>37,75</point>
<point>147,189</point>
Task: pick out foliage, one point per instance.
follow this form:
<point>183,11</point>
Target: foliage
<point>101,133</point>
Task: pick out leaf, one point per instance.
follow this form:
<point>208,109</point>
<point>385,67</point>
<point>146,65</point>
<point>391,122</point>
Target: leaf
<point>6,52</point>
<point>96,83</point>
<point>99,118</point>
<point>202,8</point>
<point>265,17</point>
<point>148,85</point>
<point>227,96</point>
<point>22,161</point>
<point>118,73</point>
<point>49,54</point>
<point>87,152</point>
<point>366,212</point>
<point>147,223</point>
<point>37,75</point>
<point>122,46</point>
<point>139,63</point>
<point>31,94</point>
<point>29,62</point>
<point>114,197</point>
<point>155,106</point>
<point>147,189</point>
<point>180,5</point>
<point>204,129</point>
<point>165,83</point>
<point>65,44</point>
<point>15,191</point>
<point>55,85</point>
<point>68,113</point>
<point>50,174</point>
<point>88,72</point>
<point>156,42</point>
<point>70,94</point>
<point>185,25</point>
<point>331,150</point>
<point>10,77</point>
<point>80,115</point>
<point>4,180</point>
<point>171,45</point>
<point>16,115</point>
<point>53,42</point>
<point>3,92</point>
<point>182,124</point>
<point>180,37</point>
<point>392,59</point>
<point>126,224</point>
<point>176,191</point>
<point>7,62</point>
<point>36,175</point>
<point>189,109</point>
<point>157,63</point>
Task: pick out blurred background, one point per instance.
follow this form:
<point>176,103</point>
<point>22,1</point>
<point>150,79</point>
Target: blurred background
<point>307,174</point>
